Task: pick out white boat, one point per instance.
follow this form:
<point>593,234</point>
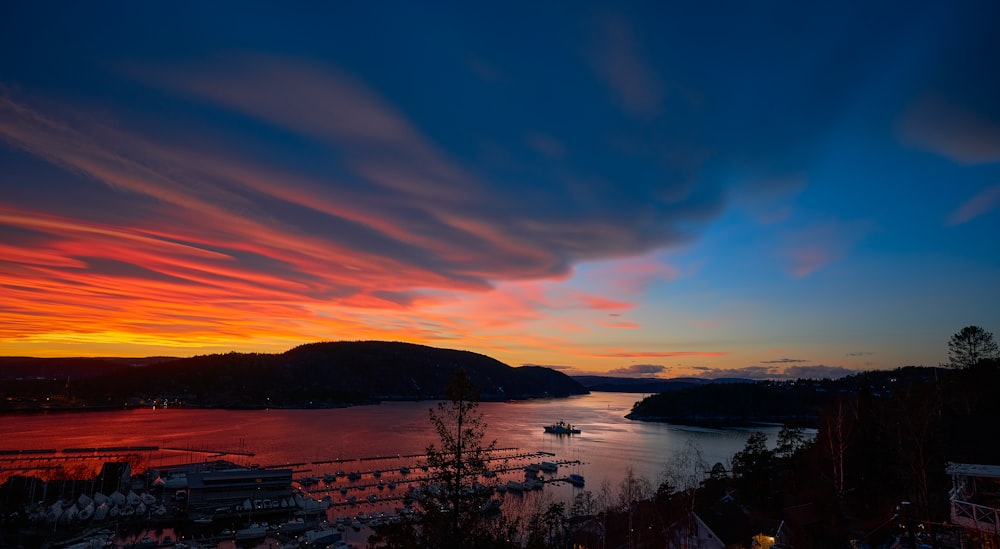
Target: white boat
<point>514,486</point>
<point>70,513</point>
<point>86,512</point>
<point>84,501</point>
<point>254,531</point>
<point>562,428</point>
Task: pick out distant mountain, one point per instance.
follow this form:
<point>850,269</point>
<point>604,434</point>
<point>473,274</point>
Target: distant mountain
<point>313,375</point>
<point>646,384</point>
<point>734,401</point>
<point>22,367</point>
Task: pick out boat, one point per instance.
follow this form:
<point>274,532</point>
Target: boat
<point>514,486</point>
<point>319,537</point>
<point>576,480</point>
<point>548,466</point>
<point>297,526</point>
<point>562,428</point>
<point>251,532</point>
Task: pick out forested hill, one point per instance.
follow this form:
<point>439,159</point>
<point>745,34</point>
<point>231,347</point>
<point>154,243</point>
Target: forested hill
<point>313,375</point>
<point>781,401</point>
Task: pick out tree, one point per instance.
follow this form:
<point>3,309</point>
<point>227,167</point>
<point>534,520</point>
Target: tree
<point>971,345</point>
<point>790,441</point>
<point>752,468</point>
<point>453,504</point>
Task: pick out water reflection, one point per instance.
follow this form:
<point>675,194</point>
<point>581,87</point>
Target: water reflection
<point>608,442</point>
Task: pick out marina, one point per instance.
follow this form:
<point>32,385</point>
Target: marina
<point>307,450</point>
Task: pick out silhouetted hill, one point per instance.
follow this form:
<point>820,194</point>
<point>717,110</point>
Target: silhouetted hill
<point>646,384</point>
<point>14,367</point>
<point>313,375</point>
<point>737,400</point>
<point>631,384</point>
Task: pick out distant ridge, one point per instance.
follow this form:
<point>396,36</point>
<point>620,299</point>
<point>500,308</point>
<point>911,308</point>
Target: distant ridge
<point>646,384</point>
<point>314,375</point>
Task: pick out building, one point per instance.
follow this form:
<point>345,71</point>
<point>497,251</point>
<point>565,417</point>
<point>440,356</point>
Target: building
<point>225,489</point>
<point>974,467</point>
<point>726,525</point>
<point>975,500</point>
<point>115,476</point>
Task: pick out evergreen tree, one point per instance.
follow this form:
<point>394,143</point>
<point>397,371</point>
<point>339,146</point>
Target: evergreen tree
<point>452,504</point>
<point>971,345</point>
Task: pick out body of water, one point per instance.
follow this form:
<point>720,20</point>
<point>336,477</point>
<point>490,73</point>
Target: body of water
<point>606,447</point>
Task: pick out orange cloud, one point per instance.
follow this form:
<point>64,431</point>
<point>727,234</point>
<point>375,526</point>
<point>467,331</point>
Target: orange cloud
<point>657,354</point>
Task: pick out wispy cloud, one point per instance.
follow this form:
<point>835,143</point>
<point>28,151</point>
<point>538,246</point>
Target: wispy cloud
<point>657,354</point>
<point>784,361</point>
<point>982,203</point>
<point>823,243</point>
<point>619,59</point>
<point>638,370</point>
<point>775,372</point>
<point>942,127</point>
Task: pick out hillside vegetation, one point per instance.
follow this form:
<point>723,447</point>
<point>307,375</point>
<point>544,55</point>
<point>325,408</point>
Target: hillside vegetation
<point>309,376</point>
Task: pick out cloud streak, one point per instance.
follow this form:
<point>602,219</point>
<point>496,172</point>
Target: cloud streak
<point>776,373</point>
<point>638,370</point>
<point>982,203</point>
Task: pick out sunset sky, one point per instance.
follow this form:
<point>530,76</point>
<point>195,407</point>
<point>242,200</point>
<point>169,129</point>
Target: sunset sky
<point>762,189</point>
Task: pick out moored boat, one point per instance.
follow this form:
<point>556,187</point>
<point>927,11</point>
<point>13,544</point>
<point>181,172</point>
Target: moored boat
<point>562,428</point>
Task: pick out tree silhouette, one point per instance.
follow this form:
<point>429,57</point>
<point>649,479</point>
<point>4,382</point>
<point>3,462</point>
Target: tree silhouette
<point>971,345</point>
<point>453,503</point>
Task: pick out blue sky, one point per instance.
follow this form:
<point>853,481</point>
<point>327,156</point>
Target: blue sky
<point>768,189</point>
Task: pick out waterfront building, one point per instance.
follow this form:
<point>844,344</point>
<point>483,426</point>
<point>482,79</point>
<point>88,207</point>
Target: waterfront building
<point>215,489</point>
<point>115,476</point>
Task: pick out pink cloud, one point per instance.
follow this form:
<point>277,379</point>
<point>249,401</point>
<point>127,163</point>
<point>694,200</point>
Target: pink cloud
<point>985,201</point>
<point>656,354</point>
<point>935,125</point>
<point>632,276</point>
<point>619,60</point>
<point>821,244</point>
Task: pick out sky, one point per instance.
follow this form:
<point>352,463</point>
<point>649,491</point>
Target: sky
<point>762,189</point>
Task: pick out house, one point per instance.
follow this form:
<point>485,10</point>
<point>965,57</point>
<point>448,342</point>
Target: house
<point>726,525</point>
<point>975,498</point>
<point>974,467</point>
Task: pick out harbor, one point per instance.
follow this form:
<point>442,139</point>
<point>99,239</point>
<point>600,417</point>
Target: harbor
<point>329,462</point>
<point>208,503</point>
